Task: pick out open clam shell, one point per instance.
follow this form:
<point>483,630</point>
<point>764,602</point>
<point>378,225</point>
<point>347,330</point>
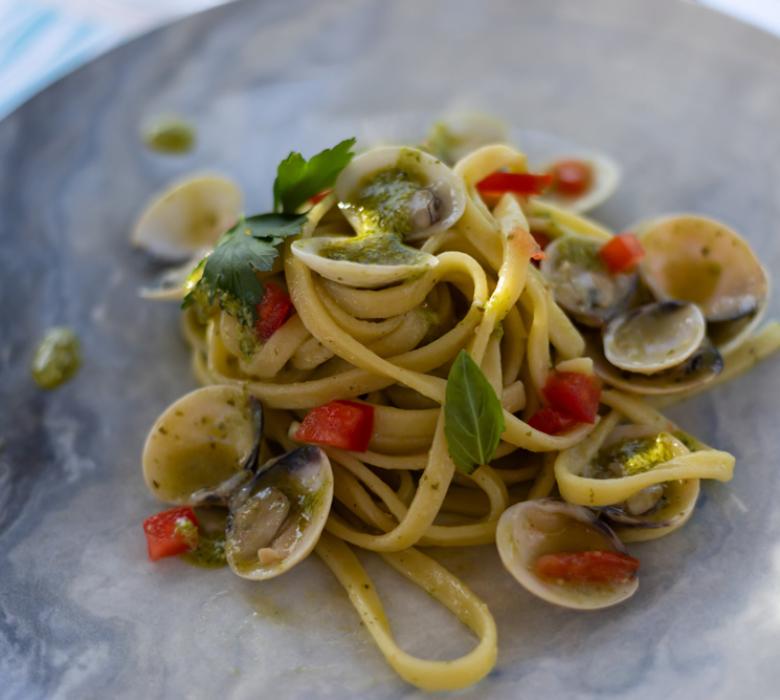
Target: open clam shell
<point>457,135</point>
<point>700,260</point>
<point>655,510</point>
<point>604,180</point>
<point>367,261</point>
<point>654,337</point>
<point>528,530</point>
<point>702,366</point>
<point>581,283</point>
<point>673,510</point>
<point>203,446</point>
<point>400,190</point>
<point>187,217</point>
<point>174,282</point>
<point>276,519</point>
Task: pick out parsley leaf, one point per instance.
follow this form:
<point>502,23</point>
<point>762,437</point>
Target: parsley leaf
<point>473,417</point>
<point>247,248</point>
<point>298,179</point>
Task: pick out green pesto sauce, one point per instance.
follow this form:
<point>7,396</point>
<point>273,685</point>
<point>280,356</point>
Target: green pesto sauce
<point>634,456</point>
<point>373,249</point>
<point>57,358</point>
<point>383,198</point>
<point>170,136</point>
<point>689,441</point>
<point>209,553</point>
<point>187,530</point>
<point>580,252</point>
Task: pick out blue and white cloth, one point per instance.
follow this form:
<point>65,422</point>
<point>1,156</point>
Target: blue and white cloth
<point>41,40</point>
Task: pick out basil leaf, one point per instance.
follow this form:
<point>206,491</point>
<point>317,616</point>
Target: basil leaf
<point>473,417</point>
<point>298,179</point>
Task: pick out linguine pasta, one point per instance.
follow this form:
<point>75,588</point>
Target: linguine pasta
<point>392,346</point>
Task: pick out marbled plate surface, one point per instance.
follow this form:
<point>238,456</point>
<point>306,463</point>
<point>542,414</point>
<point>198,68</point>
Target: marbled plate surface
<point>687,101</point>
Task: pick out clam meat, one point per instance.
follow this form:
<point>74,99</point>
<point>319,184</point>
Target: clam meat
<point>276,519</point>
<point>582,284</point>
<point>654,510</point>
<point>400,190</point>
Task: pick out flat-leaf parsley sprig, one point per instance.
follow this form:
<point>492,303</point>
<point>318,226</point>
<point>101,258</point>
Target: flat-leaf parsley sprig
<point>228,275</point>
<point>297,180</point>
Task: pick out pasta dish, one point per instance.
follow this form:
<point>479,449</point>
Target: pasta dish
<point>425,347</point>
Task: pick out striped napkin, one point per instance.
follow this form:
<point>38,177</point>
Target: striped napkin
<point>41,40</point>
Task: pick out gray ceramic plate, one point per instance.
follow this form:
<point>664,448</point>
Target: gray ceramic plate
<point>688,102</point>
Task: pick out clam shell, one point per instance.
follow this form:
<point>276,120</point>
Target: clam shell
<point>581,284</point>
<point>276,519</point>
<point>457,135</point>
<point>605,180</point>
<point>679,502</point>
<point>654,337</point>
<point>330,257</point>
<point>199,443</point>
<point>675,505</point>
<point>701,367</point>
<point>188,216</point>
<point>174,282</point>
<point>423,173</point>
<point>531,529</point>
<point>729,335</point>
<point>697,259</point>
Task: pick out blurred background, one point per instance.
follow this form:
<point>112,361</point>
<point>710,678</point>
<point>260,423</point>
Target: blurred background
<point>40,40</point>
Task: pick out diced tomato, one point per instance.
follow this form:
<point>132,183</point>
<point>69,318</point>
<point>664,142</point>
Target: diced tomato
<point>574,394</point>
<point>344,424</point>
<point>571,178</point>
<point>519,183</point>
<point>595,566</point>
<point>171,532</point>
<point>317,198</point>
<point>551,421</point>
<point>622,253</point>
<point>272,311</point>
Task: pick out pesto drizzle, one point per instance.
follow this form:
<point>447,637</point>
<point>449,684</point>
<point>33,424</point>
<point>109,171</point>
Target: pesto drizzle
<point>57,358</point>
<point>172,136</point>
<point>633,456</point>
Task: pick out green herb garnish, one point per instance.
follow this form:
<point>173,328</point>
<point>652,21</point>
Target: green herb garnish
<point>473,417</point>
<point>298,179</point>
<point>229,275</point>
